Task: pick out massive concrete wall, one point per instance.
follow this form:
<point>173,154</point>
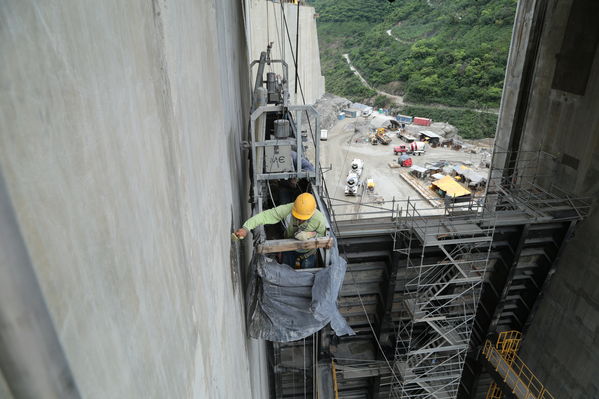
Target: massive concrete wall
<point>562,344</point>
<point>268,25</point>
<point>120,125</point>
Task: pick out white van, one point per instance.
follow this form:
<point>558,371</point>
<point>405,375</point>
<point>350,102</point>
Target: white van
<point>324,135</point>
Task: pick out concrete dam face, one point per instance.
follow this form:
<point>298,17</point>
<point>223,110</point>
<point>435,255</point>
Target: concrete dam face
<point>121,129</point>
<point>124,170</point>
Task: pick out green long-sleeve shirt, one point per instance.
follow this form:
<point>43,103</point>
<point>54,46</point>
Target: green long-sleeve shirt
<point>316,223</point>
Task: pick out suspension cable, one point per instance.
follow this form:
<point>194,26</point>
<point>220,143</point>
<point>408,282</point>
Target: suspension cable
<point>334,219</point>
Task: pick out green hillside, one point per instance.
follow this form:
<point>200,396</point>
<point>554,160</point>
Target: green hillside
<point>450,52</point>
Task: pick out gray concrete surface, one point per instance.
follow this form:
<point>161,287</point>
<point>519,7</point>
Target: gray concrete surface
<point>562,344</point>
<point>266,21</point>
<point>32,362</point>
<point>120,128</point>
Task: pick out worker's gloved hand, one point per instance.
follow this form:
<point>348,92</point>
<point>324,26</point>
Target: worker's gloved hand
<point>305,235</point>
<point>241,233</point>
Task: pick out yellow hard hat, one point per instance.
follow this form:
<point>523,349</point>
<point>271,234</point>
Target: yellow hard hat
<point>304,206</point>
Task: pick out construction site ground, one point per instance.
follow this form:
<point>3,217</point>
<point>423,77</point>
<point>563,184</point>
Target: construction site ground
<point>347,140</point>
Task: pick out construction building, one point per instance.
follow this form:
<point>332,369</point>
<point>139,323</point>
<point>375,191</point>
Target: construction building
<point>132,136</point>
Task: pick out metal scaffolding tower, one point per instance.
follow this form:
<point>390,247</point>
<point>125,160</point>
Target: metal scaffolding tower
<point>446,259</point>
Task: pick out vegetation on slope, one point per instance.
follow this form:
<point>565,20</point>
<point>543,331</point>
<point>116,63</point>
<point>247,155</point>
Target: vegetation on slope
<point>450,52</point>
<point>470,124</point>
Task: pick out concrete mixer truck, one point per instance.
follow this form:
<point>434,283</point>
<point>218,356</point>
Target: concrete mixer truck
<point>352,184</point>
<point>353,177</point>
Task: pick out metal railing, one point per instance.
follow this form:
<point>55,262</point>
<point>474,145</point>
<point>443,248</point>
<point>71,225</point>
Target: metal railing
<point>508,344</point>
<point>513,370</point>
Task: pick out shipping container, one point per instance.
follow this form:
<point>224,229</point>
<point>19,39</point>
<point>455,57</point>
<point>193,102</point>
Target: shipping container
<point>404,118</point>
<point>422,121</point>
<point>350,113</point>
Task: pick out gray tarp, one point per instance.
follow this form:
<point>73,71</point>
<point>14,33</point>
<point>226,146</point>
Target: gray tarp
<point>287,304</point>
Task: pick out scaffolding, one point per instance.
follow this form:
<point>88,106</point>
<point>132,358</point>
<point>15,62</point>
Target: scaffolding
<point>446,260</point>
<point>444,251</point>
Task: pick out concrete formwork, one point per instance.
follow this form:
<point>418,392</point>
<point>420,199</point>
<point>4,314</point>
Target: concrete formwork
<point>120,129</point>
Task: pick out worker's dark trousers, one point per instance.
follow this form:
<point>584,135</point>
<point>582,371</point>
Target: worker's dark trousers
<point>290,257</point>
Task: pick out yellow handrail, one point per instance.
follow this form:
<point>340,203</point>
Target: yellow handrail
<point>335,387</point>
<point>513,370</point>
<point>507,344</point>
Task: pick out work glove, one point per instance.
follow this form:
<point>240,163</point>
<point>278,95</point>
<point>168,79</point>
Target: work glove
<point>305,235</point>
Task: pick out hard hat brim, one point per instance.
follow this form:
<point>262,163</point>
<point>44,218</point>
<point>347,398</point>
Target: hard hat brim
<point>301,216</point>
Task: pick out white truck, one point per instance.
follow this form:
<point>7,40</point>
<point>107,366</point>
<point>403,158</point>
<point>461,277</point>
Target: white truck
<point>416,148</point>
<point>353,181</point>
<point>357,165</point>
<point>352,184</point>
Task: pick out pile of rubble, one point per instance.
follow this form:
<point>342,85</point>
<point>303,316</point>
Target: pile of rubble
<point>329,106</point>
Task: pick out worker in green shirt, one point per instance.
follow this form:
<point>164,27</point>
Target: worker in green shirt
<point>301,221</point>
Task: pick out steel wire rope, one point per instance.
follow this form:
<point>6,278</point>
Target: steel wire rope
<point>267,25</point>
<point>297,45</point>
<point>279,42</point>
<point>305,382</point>
<point>334,219</point>
<point>304,98</point>
<point>332,215</point>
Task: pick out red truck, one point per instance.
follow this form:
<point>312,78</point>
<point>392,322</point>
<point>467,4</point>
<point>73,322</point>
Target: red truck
<point>400,149</point>
<point>416,148</point>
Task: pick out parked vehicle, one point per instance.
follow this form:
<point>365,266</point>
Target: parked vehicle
<point>382,137</point>
<point>415,148</point>
<point>404,161</point>
<point>352,184</point>
<point>357,166</point>
<point>370,184</point>
<point>400,149</point>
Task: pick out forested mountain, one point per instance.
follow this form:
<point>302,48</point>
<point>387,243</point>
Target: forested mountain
<point>450,52</point>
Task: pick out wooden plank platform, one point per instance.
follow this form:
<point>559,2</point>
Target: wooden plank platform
<point>272,246</point>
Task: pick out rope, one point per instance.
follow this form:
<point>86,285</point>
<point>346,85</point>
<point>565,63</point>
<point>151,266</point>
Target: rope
<point>297,46</point>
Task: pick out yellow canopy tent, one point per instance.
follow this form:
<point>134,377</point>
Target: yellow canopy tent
<point>451,187</point>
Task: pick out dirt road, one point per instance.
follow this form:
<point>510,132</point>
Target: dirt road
<point>398,100</point>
